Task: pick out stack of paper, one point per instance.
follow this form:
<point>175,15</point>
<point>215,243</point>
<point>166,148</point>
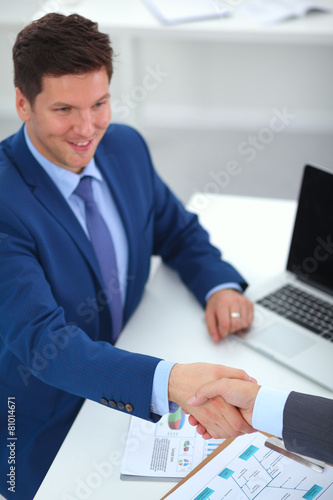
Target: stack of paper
<point>273,11</point>
<point>179,11</point>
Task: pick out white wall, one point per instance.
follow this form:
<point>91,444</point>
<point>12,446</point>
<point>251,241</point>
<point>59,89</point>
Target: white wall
<point>210,110</point>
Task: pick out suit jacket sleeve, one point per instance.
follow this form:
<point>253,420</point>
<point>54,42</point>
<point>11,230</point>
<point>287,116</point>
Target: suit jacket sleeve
<point>307,426</point>
<point>38,340</point>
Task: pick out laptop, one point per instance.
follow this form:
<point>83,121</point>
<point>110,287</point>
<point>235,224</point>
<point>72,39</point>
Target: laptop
<point>294,310</point>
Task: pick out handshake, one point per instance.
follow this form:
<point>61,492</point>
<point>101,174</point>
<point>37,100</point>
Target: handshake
<point>219,399</point>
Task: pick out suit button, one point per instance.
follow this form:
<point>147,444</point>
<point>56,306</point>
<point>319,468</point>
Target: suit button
<point>120,406</point>
<point>129,408</point>
<point>112,403</point>
<point>105,401</point>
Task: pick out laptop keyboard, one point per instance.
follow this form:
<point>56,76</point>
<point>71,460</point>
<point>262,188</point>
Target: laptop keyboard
<point>302,308</point>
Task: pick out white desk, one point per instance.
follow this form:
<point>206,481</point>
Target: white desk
<point>169,323</point>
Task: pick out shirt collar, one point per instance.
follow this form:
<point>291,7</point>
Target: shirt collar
<point>65,180</point>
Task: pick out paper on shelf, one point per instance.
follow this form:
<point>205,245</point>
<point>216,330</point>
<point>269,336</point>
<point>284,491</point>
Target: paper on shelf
<point>178,11</point>
<point>275,11</point>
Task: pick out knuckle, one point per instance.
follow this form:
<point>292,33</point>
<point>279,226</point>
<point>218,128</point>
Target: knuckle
<point>234,433</point>
<point>242,373</point>
<point>238,426</point>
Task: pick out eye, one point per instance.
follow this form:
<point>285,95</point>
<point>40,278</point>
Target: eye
<point>99,104</point>
<point>63,110</point>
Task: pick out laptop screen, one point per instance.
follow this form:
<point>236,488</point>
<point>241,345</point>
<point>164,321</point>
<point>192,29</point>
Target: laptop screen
<point>311,250</point>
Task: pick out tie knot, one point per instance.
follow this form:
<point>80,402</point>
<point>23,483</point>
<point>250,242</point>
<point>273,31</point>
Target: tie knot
<point>84,189</point>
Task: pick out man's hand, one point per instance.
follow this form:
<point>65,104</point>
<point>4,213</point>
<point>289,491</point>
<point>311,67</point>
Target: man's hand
<point>239,393</point>
<point>227,311</point>
<point>215,417</point>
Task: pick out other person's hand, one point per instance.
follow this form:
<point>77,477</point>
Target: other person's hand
<point>239,393</point>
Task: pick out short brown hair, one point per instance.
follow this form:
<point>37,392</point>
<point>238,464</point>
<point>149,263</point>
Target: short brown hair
<point>58,45</point>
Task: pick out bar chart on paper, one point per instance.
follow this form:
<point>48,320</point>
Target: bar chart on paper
<point>247,470</point>
<point>169,449</point>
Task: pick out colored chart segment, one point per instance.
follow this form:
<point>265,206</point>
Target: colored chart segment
<point>186,446</point>
<point>176,420</point>
<point>313,492</point>
<point>183,462</point>
<point>204,494</point>
<point>248,453</point>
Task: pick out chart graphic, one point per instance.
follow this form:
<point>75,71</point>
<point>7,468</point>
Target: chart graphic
<point>256,472</point>
<point>171,448</point>
<point>176,420</point>
<point>210,446</point>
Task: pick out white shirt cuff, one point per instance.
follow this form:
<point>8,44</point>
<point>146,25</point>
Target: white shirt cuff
<point>159,398</point>
<point>268,409</point>
<point>217,288</point>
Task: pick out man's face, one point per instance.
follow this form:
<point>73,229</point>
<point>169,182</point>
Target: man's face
<point>69,117</point>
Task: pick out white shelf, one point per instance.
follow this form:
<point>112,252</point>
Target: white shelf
<point>131,17</point>
<point>198,117</point>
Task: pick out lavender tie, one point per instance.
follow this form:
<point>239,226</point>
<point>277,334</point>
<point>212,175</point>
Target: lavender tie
<point>102,243</point>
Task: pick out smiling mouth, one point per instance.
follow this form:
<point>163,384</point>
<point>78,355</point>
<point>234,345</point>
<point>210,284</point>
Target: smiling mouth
<point>81,146</point>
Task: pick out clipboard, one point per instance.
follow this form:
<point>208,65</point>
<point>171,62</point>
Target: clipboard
<point>222,447</point>
<point>216,452</point>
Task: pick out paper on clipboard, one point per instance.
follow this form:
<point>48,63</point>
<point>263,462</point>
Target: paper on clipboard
<point>245,468</point>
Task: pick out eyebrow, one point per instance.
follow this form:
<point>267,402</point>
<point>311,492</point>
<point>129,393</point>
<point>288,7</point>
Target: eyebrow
<point>66,105</point>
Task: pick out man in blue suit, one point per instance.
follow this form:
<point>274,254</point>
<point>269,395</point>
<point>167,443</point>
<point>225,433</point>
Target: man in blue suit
<point>81,212</point>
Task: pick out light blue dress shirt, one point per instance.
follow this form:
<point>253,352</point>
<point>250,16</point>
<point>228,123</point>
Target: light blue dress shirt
<point>67,181</point>
<point>268,409</point>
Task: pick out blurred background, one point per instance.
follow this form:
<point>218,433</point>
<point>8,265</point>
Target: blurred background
<point>226,106</point>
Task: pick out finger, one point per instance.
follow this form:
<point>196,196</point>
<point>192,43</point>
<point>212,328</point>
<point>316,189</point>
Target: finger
<point>193,421</point>
<point>219,387</point>
<point>246,311</point>
<point>237,373</point>
<point>250,312</point>
<point>220,419</point>
<point>235,422</point>
<point>212,326</point>
<point>201,429</point>
<point>207,436</point>
<point>224,321</point>
<point>238,313</point>
<point>244,308</point>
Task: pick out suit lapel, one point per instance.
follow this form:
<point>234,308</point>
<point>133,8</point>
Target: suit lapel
<point>52,200</point>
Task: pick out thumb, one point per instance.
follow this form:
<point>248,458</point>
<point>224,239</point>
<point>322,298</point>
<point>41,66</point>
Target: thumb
<point>219,387</point>
<point>205,392</point>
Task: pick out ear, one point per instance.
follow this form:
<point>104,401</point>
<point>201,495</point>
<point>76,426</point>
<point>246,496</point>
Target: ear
<point>23,106</point>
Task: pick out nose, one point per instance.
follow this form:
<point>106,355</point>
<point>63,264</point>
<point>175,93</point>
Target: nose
<point>84,125</point>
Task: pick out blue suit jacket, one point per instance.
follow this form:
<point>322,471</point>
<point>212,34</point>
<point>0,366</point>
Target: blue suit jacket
<point>55,347</point>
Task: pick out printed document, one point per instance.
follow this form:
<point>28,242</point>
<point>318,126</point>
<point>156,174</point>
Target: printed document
<point>248,470</point>
<point>167,450</point>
